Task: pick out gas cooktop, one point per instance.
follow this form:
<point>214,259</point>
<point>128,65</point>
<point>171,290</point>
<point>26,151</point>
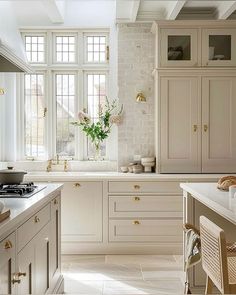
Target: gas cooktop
<point>23,190</point>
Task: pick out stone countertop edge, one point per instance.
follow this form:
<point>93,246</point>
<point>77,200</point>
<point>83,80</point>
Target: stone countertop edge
<point>22,209</point>
<point>116,176</point>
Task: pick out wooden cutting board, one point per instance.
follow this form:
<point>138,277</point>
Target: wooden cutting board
<point>5,214</point>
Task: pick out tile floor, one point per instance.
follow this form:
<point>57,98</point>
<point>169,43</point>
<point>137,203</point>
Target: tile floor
<point>122,274</point>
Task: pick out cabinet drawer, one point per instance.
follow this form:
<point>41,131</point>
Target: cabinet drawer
<point>7,246</point>
<point>145,206</point>
<point>32,226</point>
<point>144,187</point>
<point>162,231</point>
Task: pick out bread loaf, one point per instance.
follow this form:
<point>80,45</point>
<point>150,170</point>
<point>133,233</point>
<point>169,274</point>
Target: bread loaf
<point>226,181</point>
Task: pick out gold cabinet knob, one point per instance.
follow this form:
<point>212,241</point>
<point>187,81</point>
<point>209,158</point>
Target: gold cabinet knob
<point>21,274</point>
<point>14,281</point>
<point>205,128</point>
<point>136,198</point>
<point>8,245</point>
<point>36,219</point>
<point>136,222</point>
<point>77,184</point>
<point>194,128</point>
<point>136,186</point>
<point>55,202</point>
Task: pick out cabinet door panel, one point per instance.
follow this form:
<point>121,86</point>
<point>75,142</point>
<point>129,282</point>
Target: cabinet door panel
<point>218,122</point>
<point>179,129</point>
<point>82,211</point>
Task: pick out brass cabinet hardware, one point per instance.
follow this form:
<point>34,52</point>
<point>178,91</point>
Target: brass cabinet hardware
<point>8,245</point>
<point>136,186</point>
<point>21,274</point>
<point>45,110</point>
<point>55,202</point>
<point>136,222</point>
<point>14,281</point>
<point>205,128</point>
<point>107,53</point>
<point>36,219</point>
<point>2,91</point>
<point>194,128</point>
<point>136,198</point>
<point>77,184</point>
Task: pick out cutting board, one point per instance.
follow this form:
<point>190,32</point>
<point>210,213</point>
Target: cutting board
<point>5,214</point>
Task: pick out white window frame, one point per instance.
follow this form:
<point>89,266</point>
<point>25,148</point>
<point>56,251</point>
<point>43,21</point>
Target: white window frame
<point>50,68</point>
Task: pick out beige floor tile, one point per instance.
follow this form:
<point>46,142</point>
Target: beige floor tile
<point>139,259</point>
<point>83,258</point>
<point>83,287</point>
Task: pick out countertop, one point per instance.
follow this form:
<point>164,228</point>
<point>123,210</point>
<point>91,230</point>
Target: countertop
<point>22,208</point>
<point>215,199</point>
<point>116,176</point>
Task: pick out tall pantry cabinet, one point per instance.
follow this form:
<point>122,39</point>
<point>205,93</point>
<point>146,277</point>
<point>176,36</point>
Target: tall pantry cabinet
<point>195,83</point>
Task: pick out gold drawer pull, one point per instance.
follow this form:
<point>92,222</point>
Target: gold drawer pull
<point>205,128</point>
<point>136,199</point>
<point>55,202</point>
<point>77,184</point>
<point>36,219</point>
<point>195,128</point>
<point>15,281</point>
<point>21,274</point>
<point>136,222</point>
<point>8,245</point>
<point>136,186</point>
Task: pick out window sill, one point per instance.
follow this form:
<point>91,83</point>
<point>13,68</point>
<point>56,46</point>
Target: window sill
<point>92,166</point>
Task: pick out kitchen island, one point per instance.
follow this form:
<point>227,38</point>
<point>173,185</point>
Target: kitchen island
<point>205,199</point>
<point>30,244</point>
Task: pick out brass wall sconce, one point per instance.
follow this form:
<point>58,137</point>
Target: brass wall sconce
<point>140,97</point>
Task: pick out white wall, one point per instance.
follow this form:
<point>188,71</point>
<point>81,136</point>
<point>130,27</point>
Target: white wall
<point>135,65</point>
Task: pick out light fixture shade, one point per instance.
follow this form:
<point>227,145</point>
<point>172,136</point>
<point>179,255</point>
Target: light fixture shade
<point>140,97</point>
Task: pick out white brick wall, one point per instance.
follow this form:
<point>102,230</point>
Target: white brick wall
<point>135,66</point>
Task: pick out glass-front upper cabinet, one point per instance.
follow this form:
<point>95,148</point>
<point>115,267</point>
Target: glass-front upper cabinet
<point>179,47</point>
<point>218,47</point>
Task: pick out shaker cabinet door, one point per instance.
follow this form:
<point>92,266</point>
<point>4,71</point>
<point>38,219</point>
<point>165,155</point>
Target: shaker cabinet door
<point>180,125</point>
<point>218,124</point>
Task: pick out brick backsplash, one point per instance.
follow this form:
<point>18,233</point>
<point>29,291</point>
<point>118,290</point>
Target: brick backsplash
<point>135,66</point>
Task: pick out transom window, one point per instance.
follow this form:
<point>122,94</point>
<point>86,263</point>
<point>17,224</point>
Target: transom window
<point>34,115</point>
<point>65,48</point>
<point>96,49</point>
<point>65,84</point>
<point>34,47</point>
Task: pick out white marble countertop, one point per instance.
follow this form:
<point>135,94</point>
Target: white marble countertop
<point>73,176</point>
<point>215,199</point>
<point>24,207</point>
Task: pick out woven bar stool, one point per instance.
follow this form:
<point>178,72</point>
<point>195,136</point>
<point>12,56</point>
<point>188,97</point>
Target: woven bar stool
<point>218,261</point>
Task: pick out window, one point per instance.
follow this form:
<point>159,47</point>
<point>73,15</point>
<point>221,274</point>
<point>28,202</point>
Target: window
<point>34,47</point>
<point>65,48</point>
<point>34,115</point>
<point>65,101</point>
<point>66,82</point>
<point>96,49</point>
<point>96,99</point>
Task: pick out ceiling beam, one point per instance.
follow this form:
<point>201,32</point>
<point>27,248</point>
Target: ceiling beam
<point>55,10</point>
<point>134,10</point>
<point>226,9</point>
<point>175,9</point>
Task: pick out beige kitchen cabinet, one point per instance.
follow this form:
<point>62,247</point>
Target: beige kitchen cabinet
<point>196,122</point>
<point>82,215</point>
<point>218,47</point>
<point>7,264</point>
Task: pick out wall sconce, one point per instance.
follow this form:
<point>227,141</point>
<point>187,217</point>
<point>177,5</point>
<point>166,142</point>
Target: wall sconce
<point>140,97</point>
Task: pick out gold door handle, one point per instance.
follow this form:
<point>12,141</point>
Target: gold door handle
<point>205,128</point>
<point>136,186</point>
<point>21,274</point>
<point>14,281</point>
<point>8,245</point>
<point>195,128</point>
<point>36,219</point>
<point>77,184</point>
<point>136,198</point>
<point>136,222</point>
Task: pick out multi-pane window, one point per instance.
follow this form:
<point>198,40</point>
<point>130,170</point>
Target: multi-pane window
<point>96,99</point>
<point>96,49</point>
<point>34,115</point>
<point>65,104</point>
<point>65,48</point>
<point>34,47</point>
